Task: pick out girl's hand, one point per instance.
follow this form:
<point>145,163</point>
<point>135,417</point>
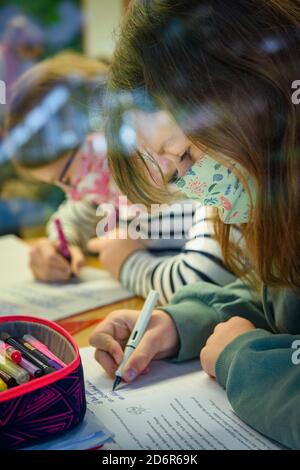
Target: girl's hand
<point>48,265</point>
<point>224,333</point>
<point>160,340</point>
<point>113,252</point>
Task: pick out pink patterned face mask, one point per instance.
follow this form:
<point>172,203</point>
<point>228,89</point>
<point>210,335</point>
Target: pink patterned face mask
<point>91,180</point>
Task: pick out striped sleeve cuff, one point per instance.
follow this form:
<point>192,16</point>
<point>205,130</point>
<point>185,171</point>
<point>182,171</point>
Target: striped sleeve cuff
<point>129,270</point>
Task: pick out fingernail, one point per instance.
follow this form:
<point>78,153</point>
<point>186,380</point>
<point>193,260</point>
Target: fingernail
<point>131,374</point>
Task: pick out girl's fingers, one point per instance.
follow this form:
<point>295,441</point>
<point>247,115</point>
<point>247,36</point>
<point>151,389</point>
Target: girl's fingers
<point>38,274</point>
<point>111,336</point>
<point>78,260</point>
<point>106,343</point>
<point>59,264</point>
<point>48,273</point>
<point>47,264</point>
<point>106,361</point>
<point>58,276</point>
<point>95,245</point>
<point>142,356</point>
<point>145,371</point>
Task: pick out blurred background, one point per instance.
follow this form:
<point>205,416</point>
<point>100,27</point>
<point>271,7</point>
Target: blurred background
<point>31,31</point>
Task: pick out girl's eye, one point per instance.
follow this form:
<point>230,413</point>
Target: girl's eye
<point>174,177</point>
<point>185,155</point>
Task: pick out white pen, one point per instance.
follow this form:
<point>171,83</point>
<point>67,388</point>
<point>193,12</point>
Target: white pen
<point>137,333</point>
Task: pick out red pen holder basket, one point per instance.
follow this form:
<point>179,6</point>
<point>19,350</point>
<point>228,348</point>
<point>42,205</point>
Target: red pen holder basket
<point>51,404</point>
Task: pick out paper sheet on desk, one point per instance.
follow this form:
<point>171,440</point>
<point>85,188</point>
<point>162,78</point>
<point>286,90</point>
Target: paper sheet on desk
<point>175,407</point>
<point>20,294</point>
<point>14,261</point>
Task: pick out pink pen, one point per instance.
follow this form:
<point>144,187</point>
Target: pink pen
<point>64,249</point>
<point>43,348</point>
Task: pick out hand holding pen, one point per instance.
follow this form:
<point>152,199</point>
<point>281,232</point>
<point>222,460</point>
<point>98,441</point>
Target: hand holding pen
<point>136,334</point>
<point>48,265</point>
<point>159,340</point>
<point>63,244</point>
<point>72,255</point>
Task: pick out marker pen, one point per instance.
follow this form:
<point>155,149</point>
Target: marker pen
<point>31,368</point>
<point>39,355</point>
<point>63,248</point>
<point>10,352</point>
<point>8,379</point>
<point>136,334</point>
<point>25,352</point>
<point>43,348</point>
<point>20,375</point>
<point>3,386</point>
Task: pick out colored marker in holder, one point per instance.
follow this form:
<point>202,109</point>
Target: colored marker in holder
<point>10,352</point>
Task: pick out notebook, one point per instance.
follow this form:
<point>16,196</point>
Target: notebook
<point>21,294</point>
<point>174,407</point>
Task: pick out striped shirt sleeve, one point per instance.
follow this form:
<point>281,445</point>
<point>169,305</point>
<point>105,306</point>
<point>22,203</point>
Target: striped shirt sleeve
<point>79,221</point>
<point>199,259</point>
<point>169,261</point>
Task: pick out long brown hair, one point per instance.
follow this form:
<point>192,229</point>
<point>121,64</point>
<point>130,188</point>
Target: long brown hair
<point>30,89</point>
<point>224,70</point>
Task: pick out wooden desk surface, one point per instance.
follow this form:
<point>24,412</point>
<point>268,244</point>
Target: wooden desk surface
<point>96,314</point>
<point>82,336</point>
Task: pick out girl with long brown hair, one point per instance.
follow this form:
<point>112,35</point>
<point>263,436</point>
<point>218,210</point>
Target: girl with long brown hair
<point>66,151</point>
<point>221,74</point>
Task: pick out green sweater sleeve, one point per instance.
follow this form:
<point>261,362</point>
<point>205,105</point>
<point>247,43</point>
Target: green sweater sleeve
<point>198,308</point>
<point>263,383</point>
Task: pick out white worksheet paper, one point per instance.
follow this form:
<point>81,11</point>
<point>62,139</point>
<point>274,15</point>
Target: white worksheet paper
<point>14,261</point>
<point>20,294</point>
<point>174,407</point>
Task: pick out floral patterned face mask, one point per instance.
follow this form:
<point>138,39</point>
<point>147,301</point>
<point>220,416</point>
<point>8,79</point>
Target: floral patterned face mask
<point>213,184</point>
<point>92,180</point>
